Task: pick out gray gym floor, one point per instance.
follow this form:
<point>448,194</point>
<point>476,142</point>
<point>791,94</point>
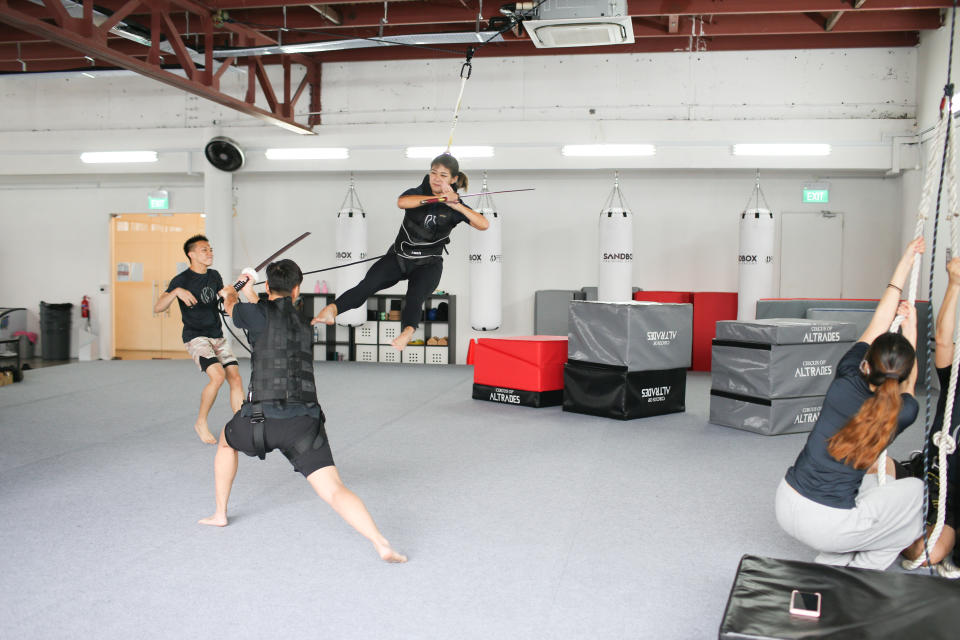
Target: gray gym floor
<point>519,523</point>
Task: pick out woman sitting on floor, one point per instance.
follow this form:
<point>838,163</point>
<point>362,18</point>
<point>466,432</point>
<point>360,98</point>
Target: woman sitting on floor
<point>830,499</point>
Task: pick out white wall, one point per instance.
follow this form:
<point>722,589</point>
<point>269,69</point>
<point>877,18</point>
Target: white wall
<point>686,198</point>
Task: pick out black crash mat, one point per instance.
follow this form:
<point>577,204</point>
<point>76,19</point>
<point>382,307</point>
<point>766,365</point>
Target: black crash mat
<point>614,392</point>
<point>518,396</point>
<point>856,603</point>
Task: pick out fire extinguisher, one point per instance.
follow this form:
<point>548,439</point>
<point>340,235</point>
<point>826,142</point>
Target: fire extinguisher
<point>85,309</point>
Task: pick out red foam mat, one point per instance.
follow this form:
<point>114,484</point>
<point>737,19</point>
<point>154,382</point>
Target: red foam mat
<point>682,297</point>
<point>708,308</point>
<point>529,363</point>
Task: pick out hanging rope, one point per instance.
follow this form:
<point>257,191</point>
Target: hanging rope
<point>944,442</point>
<point>465,72</point>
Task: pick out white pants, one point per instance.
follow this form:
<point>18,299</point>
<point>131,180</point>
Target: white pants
<point>871,535</point>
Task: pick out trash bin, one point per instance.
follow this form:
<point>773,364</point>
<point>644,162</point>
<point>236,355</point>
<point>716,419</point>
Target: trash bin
<point>55,319</point>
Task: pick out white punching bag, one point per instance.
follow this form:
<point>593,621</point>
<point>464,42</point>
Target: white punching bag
<point>351,243</point>
<point>757,238</point>
<point>616,255</point>
<point>486,272</point>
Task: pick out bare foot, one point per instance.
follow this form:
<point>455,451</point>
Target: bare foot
<point>387,554</point>
<point>327,315</point>
<point>401,340</point>
<point>204,432</point>
<point>215,520</point>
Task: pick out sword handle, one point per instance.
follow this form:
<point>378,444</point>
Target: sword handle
<point>240,284</point>
<point>437,199</point>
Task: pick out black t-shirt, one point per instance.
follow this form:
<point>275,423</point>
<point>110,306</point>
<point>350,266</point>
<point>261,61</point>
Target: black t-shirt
<point>203,318</point>
<point>816,474</point>
<point>426,223</point>
<point>952,460</point>
<point>253,319</point>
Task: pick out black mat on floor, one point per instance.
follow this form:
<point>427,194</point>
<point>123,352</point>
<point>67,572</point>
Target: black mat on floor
<point>856,603</point>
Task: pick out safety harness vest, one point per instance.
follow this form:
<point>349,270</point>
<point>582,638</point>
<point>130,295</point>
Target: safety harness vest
<point>282,363</point>
<point>425,230</point>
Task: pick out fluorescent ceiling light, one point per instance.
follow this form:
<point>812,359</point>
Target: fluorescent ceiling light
<point>457,152</point>
<point>607,150</point>
<point>104,157</point>
<point>464,37</point>
<point>781,149</point>
<point>309,153</point>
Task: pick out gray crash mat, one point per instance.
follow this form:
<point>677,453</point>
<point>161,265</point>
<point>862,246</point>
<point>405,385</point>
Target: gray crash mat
<point>764,416</point>
<point>775,371</point>
<point>798,308</point>
<point>641,336</point>
<point>855,603</point>
<point>787,331</point>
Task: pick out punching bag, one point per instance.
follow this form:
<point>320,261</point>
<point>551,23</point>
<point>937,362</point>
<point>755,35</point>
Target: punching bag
<point>351,246</point>
<point>757,238</point>
<point>616,248</point>
<point>486,272</point>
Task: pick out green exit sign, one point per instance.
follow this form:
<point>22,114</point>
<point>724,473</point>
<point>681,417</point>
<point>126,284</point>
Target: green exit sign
<point>158,200</point>
<point>816,193</point>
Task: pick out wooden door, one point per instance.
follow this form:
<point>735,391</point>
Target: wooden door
<point>147,252</point>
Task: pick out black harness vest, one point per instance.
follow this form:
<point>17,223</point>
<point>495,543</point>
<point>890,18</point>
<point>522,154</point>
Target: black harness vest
<point>425,230</point>
<point>282,360</point>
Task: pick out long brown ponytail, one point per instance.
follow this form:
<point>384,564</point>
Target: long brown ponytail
<point>890,359</point>
<point>449,162</point>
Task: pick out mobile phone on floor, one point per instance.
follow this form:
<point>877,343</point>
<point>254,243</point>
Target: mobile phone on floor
<point>805,603</point>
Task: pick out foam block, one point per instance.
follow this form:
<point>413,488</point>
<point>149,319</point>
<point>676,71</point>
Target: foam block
<point>775,371</point>
<point>614,392</point>
<point>788,331</point>
<point>529,363</point>
<point>679,297</point>
<point>708,308</point>
<point>640,336</point>
<point>767,417</point>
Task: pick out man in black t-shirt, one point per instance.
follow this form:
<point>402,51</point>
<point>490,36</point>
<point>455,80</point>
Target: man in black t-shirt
<point>195,289</point>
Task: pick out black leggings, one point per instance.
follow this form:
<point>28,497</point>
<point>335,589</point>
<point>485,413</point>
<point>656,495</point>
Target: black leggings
<point>422,280</point>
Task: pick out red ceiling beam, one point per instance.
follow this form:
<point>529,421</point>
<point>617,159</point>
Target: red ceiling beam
<point>730,25</point>
<point>719,24</point>
<point>49,51</point>
<point>636,8</point>
<point>46,66</point>
<point>252,4</point>
<point>646,45</point>
<point>406,13</point>
<point>723,7</point>
<point>796,23</point>
<point>71,34</point>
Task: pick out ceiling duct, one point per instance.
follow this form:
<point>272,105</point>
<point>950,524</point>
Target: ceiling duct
<point>579,23</point>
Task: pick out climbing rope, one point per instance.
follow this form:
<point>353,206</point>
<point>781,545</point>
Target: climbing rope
<point>465,72</point>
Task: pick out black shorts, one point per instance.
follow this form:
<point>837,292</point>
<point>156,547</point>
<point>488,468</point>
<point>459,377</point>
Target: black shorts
<point>283,434</point>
